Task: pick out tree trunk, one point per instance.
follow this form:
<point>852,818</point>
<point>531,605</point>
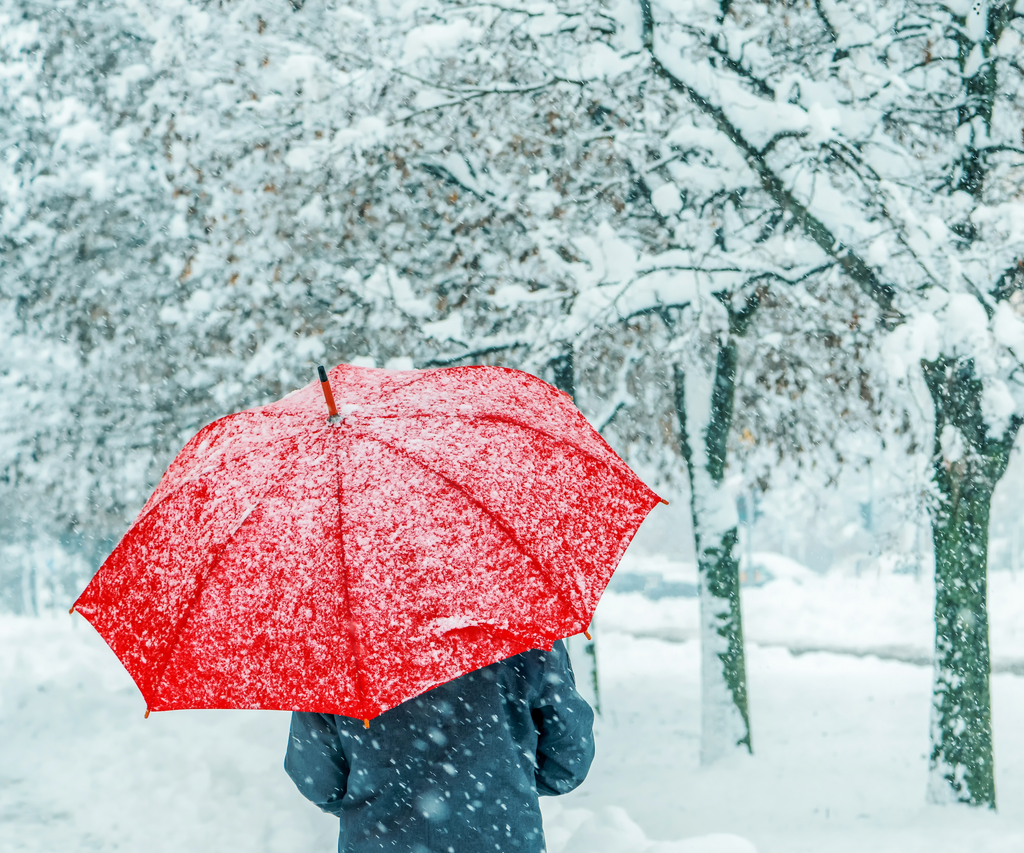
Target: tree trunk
<point>582,652</point>
<point>967,466</point>
<point>704,394</point>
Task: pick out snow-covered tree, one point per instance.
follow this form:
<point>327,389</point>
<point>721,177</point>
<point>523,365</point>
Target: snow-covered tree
<point>889,136</point>
<point>695,247</point>
<point>270,185</point>
<point>202,200</point>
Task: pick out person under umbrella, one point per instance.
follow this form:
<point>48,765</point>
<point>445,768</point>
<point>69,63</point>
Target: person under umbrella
<point>456,770</point>
<point>406,556</point>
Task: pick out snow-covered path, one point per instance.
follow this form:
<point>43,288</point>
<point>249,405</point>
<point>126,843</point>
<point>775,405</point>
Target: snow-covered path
<point>839,767</point>
<point>840,761</point>
<point>81,770</point>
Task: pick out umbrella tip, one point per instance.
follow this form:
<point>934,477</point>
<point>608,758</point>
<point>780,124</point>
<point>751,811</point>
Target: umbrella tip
<point>72,610</point>
<point>664,501</point>
<point>366,724</point>
<point>332,409</point>
<point>147,714</point>
<point>587,635</point>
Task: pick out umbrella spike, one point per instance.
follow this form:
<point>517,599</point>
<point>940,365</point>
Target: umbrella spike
<point>332,409</point>
<point>146,717</point>
<point>366,724</point>
<point>587,635</point>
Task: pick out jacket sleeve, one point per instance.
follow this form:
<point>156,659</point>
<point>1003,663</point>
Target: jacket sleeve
<point>316,762</point>
<point>565,726</point>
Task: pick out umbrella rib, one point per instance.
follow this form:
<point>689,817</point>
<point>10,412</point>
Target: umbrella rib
<point>203,475</point>
<point>201,584</point>
<point>609,464</point>
<point>511,422</point>
<point>422,377</point>
<point>497,521</point>
<point>353,637</point>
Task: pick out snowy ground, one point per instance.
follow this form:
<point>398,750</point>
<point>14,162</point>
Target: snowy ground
<point>840,738</point>
<point>890,616</point>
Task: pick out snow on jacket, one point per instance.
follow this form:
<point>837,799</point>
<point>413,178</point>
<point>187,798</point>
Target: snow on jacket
<point>456,770</point>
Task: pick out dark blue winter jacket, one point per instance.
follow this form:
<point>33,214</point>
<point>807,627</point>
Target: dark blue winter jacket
<point>456,770</point>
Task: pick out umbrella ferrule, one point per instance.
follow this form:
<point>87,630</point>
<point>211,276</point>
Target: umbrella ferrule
<point>332,410</point>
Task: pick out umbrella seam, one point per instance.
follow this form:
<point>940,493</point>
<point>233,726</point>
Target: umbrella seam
<point>354,642</point>
<point>198,479</point>
<point>609,464</point>
<point>458,488</point>
<point>530,378</point>
<point>424,375</point>
<point>200,586</point>
<point>561,441</point>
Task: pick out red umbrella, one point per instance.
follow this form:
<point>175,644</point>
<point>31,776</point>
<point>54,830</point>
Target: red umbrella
<point>443,520</point>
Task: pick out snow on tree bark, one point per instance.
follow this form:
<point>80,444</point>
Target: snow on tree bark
<point>908,193</point>
<point>704,393</point>
<point>967,466</point>
<point>968,462</point>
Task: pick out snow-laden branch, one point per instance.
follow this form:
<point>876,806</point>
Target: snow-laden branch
<point>882,293</point>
